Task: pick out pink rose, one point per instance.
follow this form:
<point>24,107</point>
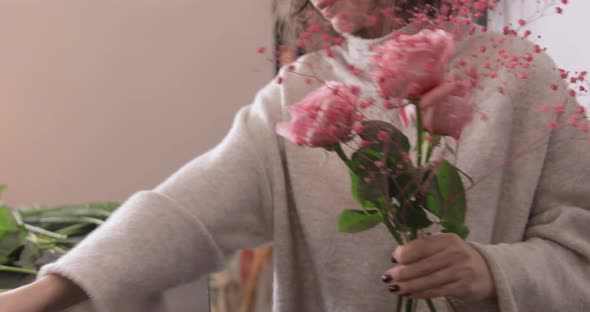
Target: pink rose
<point>324,118</point>
<point>409,66</point>
<point>445,110</point>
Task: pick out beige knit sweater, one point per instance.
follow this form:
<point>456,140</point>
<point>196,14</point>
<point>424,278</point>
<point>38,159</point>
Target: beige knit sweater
<point>530,219</point>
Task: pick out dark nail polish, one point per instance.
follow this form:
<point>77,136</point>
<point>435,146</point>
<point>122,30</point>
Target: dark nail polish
<point>386,278</point>
<point>393,288</point>
<point>393,259</point>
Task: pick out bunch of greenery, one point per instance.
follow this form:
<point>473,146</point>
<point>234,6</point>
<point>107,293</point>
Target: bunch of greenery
<point>28,234</point>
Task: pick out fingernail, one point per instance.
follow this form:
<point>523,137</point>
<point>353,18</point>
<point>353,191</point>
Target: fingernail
<point>393,288</point>
<point>386,278</point>
<point>393,259</point>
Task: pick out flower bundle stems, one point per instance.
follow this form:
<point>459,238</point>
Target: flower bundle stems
<point>393,231</point>
<point>431,307</point>
<point>419,137</point>
<point>400,303</point>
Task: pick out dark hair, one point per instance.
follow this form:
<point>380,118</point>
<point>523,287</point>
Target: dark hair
<point>300,5</point>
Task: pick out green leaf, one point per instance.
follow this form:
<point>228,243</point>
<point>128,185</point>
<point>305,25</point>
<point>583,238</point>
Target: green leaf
<point>29,256</point>
<point>399,182</point>
<point>12,236</point>
<point>459,229</point>
<point>102,210</point>
<point>446,199</point>
<point>434,142</point>
<point>413,216</point>
<point>434,201</point>
<point>354,221</point>
<point>403,180</point>
<point>77,229</point>
<point>55,218</point>
<point>370,186</point>
<point>453,193</point>
<point>396,143</point>
<point>7,220</point>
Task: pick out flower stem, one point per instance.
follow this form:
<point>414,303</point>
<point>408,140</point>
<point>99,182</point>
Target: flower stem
<point>393,231</point>
<point>400,303</point>
<point>414,234</point>
<point>409,305</point>
<point>418,134</point>
<point>431,307</point>
<point>342,155</point>
<point>4,268</point>
<point>429,148</point>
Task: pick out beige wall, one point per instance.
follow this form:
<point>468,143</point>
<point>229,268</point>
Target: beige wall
<point>99,99</point>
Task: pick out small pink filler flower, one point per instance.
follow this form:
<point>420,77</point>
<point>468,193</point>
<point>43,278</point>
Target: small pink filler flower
<point>324,118</point>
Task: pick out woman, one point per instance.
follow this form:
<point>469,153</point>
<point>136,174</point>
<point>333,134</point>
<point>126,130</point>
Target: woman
<point>529,249</point>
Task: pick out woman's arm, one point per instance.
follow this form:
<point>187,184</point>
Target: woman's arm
<point>48,294</point>
<point>189,225</point>
<point>549,270</point>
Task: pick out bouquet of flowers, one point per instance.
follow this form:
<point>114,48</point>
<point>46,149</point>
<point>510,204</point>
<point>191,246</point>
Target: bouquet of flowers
<point>407,194</point>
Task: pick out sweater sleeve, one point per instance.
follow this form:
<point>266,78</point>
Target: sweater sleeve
<point>550,269</point>
<point>187,226</point>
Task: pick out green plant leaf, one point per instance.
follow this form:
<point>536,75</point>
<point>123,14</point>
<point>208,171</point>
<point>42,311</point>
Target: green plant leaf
<point>413,216</point>
<point>354,221</point>
<point>55,218</point>
<point>396,143</point>
<point>7,220</point>
<point>459,229</point>
<point>434,142</point>
<point>12,236</point>
<point>433,201</point>
<point>370,186</point>
<point>446,199</point>
<point>77,229</point>
<point>403,180</point>
<point>29,256</point>
<point>397,182</point>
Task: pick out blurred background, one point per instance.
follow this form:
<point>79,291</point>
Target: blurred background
<point>100,99</point>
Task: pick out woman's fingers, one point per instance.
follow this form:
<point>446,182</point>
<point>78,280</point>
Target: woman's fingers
<point>440,265</point>
<point>453,289</point>
<point>427,282</point>
<point>420,268</point>
<point>423,248</point>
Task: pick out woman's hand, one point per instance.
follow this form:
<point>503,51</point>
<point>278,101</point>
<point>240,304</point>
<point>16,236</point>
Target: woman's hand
<point>441,265</point>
